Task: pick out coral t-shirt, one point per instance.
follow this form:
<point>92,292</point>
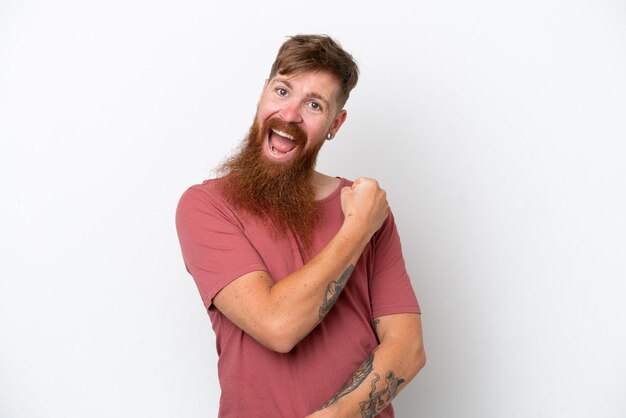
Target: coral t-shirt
<point>220,244</point>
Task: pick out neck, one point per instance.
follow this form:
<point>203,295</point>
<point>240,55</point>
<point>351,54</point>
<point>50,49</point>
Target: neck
<point>324,185</point>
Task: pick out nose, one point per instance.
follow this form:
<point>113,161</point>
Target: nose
<point>290,113</point>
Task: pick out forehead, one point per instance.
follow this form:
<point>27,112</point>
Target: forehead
<point>320,84</point>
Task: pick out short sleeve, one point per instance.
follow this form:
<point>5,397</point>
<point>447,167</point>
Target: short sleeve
<point>213,243</point>
<point>391,291</point>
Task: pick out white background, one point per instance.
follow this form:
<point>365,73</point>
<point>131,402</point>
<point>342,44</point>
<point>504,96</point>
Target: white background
<point>497,129</point>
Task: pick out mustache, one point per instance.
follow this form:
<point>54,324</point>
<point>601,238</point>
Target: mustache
<point>291,129</point>
<point>282,194</point>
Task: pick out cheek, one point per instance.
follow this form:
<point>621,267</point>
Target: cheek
<point>266,108</point>
<point>321,132</point>
<point>317,128</point>
<point>263,112</point>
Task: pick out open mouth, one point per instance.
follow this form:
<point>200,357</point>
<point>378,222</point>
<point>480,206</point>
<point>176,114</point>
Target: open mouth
<point>280,143</point>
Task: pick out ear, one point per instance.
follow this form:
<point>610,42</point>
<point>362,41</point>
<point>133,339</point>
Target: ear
<point>339,120</point>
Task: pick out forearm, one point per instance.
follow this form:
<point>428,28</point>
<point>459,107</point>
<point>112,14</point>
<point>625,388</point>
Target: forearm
<point>279,314</point>
<point>380,377</point>
<point>302,299</point>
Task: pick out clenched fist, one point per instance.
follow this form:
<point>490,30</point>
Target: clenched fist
<point>364,205</point>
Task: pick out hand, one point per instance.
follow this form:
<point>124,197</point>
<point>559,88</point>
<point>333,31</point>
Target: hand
<point>365,205</point>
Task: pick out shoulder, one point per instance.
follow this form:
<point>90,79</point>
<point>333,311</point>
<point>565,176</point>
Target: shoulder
<point>346,182</point>
<point>206,188</point>
<point>202,200</point>
<point>205,193</point>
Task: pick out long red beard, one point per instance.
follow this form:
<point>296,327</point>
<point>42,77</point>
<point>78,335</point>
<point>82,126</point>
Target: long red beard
<point>281,192</point>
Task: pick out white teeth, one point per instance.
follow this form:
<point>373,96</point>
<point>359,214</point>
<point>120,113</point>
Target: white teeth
<point>281,133</point>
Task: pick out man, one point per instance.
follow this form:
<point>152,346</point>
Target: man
<point>301,273</point>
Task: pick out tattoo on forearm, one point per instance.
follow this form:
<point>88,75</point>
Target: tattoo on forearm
<point>333,290</point>
<point>378,400</point>
<point>355,381</point>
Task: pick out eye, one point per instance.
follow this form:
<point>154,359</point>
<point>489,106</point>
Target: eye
<point>281,91</point>
<point>315,106</point>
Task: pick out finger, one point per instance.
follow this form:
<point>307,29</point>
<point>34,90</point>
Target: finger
<point>363,180</point>
<point>357,182</point>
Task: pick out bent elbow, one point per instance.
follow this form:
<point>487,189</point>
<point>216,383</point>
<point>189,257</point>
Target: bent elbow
<point>283,348</point>
<point>278,339</point>
<point>421,359</point>
<point>418,360</point>
<point>280,345</point>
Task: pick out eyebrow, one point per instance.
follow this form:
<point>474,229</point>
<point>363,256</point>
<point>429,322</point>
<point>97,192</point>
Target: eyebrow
<point>311,95</point>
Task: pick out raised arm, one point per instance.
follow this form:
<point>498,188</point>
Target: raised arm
<point>279,315</point>
<point>387,370</point>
